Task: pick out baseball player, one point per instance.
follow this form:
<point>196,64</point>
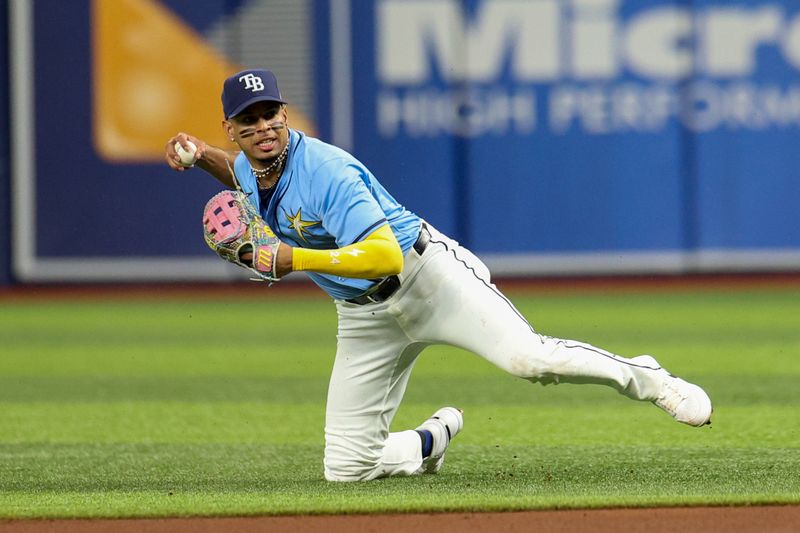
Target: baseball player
<point>398,283</point>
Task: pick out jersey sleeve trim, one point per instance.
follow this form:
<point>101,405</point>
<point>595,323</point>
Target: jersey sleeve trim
<point>369,230</point>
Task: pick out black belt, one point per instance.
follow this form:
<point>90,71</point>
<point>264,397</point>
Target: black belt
<point>384,290</point>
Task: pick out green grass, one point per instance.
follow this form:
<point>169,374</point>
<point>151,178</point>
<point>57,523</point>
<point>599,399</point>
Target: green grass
<point>191,407</point>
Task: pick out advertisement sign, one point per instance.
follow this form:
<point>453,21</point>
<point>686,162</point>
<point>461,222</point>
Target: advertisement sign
<point>551,136</point>
<point>599,135</point>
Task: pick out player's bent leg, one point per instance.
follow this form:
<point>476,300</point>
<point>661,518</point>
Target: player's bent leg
<point>402,453</point>
<point>474,315</point>
<point>373,363</point>
<point>471,313</point>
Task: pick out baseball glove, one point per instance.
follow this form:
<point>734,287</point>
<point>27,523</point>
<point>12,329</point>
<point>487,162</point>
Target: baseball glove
<point>233,228</point>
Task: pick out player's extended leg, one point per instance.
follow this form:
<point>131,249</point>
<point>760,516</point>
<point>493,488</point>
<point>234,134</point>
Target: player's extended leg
<point>373,364</point>
<point>469,312</point>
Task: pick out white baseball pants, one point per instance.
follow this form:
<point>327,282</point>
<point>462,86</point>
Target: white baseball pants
<point>445,297</point>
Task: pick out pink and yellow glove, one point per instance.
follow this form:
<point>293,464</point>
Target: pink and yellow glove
<point>233,228</point>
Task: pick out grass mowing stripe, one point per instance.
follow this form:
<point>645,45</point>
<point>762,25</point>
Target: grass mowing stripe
<point>620,423</point>
<point>162,422</point>
<point>493,388</point>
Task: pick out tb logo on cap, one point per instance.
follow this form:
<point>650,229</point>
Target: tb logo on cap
<point>252,82</point>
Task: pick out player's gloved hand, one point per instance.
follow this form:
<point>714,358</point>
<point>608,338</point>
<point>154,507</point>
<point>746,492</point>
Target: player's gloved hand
<point>236,232</point>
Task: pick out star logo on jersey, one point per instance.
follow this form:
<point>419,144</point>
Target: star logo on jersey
<point>299,225</point>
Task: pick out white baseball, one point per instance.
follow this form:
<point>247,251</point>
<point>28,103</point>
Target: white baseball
<point>187,156</point>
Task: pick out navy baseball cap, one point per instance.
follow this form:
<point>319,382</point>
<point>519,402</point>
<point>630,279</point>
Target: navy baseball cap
<point>248,87</point>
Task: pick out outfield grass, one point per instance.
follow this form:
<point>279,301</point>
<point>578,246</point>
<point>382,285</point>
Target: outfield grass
<point>192,407</point>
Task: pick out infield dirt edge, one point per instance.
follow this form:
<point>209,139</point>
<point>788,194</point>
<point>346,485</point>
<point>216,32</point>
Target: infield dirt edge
<point>650,520</point>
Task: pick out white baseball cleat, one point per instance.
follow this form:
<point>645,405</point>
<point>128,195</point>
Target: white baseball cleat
<point>684,401</point>
<point>444,425</point>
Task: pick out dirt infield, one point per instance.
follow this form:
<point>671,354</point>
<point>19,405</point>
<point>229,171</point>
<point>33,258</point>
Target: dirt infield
<point>660,520</point>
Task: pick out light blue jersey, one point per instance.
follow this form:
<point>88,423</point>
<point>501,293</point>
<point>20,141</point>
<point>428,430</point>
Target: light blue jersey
<point>327,199</point>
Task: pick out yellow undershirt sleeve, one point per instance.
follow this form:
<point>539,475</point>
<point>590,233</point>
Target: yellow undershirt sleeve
<point>377,256</point>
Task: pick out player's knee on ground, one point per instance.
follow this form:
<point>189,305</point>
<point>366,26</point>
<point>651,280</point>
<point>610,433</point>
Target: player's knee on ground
<point>347,460</point>
<point>361,459</point>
